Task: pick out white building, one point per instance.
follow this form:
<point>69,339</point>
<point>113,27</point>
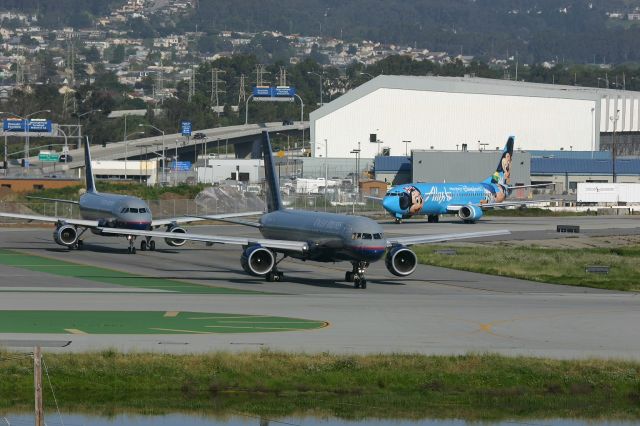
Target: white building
<point>442,113</point>
<point>217,170</point>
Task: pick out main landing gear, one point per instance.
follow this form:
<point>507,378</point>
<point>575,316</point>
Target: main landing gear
<point>357,275</point>
<point>398,220</point>
<point>132,244</point>
<point>147,243</point>
<point>274,275</point>
<point>433,218</point>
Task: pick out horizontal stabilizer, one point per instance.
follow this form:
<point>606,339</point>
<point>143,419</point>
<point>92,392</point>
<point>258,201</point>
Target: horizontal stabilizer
<point>427,239</point>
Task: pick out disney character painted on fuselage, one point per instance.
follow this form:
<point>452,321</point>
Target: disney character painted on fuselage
<point>502,176</point>
<point>467,199</point>
<point>412,200</point>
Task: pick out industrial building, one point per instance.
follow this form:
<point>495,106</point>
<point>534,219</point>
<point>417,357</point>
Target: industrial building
<point>396,114</point>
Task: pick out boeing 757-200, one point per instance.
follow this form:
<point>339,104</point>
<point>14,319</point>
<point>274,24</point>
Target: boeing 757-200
<point>320,237</point>
<point>121,214</point>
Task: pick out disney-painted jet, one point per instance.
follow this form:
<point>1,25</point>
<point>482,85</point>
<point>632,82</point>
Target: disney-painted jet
<point>467,200</point>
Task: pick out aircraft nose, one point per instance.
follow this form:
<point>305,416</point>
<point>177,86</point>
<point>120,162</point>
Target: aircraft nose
<point>390,204</point>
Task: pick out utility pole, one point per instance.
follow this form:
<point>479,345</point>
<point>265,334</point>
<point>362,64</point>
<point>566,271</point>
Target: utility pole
<point>283,76</point>
<point>159,87</point>
<point>242,95</point>
<point>260,72</point>
<point>37,386</point>
<point>215,90</point>
<point>192,83</point>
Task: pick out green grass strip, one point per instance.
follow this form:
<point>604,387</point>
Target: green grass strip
<point>107,276</point>
<point>146,322</point>
<point>550,265</point>
<point>377,386</point>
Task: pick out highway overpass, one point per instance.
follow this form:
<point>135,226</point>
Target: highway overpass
<point>241,137</point>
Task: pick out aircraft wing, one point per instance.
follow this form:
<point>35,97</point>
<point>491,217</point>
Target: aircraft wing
<point>58,200</point>
<point>187,219</point>
<point>52,219</point>
<point>440,238</point>
<point>297,246</point>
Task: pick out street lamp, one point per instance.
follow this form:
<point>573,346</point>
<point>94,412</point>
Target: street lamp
<point>357,175</point>
<point>614,119</point>
<point>319,75</point>
<point>164,177</point>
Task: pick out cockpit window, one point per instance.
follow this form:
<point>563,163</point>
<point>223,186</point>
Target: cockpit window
<point>142,210</point>
<point>377,236</point>
<point>133,210</point>
<point>367,237</point>
<point>124,210</point>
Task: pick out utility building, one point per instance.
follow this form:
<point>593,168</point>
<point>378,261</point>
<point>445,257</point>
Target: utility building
<point>393,115</point>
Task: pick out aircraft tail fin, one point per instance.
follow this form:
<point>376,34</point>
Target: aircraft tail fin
<point>502,175</point>
<point>88,170</point>
<point>273,186</point>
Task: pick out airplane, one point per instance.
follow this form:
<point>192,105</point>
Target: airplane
<point>120,213</point>
<point>467,200</point>
<point>317,236</point>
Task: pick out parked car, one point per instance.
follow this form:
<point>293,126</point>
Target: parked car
<point>199,135</point>
<point>287,122</point>
<point>65,158</point>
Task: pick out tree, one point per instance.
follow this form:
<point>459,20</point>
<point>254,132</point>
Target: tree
<point>117,56</point>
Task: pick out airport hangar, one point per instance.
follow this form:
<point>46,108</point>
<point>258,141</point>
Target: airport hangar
<point>441,115</point>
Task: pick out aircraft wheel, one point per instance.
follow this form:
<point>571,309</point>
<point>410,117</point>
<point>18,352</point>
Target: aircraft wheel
<point>356,282</point>
<point>79,244</point>
<point>152,245</point>
<point>348,276</point>
<point>363,283</point>
<point>143,245</point>
<point>129,249</point>
<point>398,220</point>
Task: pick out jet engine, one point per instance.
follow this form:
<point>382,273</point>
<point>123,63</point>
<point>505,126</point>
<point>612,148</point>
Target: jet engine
<point>175,242</point>
<point>470,213</point>
<point>257,260</point>
<point>66,235</point>
<point>401,261</point>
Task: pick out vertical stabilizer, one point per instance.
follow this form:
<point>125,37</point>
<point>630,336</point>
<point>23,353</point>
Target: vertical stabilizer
<point>88,170</point>
<point>273,186</point>
<point>502,175</point>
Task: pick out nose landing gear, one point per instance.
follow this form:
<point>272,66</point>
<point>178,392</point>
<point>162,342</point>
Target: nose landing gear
<point>356,276</point>
<point>132,244</point>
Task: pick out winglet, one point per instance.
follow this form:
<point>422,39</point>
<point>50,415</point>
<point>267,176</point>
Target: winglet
<point>88,171</point>
<point>273,193</point>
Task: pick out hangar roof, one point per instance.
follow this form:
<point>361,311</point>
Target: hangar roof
<point>471,85</point>
<point>624,166</point>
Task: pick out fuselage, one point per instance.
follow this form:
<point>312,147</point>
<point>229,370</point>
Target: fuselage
<point>404,201</point>
<point>114,210</point>
<point>331,237</point>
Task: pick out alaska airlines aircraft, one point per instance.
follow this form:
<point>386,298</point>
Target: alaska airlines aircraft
<point>320,237</point>
<point>120,213</point>
<point>467,200</point>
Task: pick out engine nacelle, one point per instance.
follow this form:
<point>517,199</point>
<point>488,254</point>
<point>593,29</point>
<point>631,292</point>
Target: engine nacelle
<point>175,242</point>
<point>66,235</point>
<point>401,261</point>
<point>470,213</point>
<point>257,260</point>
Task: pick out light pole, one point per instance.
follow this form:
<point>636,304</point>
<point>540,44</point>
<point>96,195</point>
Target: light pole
<point>319,75</point>
<point>593,131</point>
<point>355,178</point>
<point>164,177</point>
<point>614,119</point>
<point>79,116</point>
<point>126,153</point>
<point>406,148</point>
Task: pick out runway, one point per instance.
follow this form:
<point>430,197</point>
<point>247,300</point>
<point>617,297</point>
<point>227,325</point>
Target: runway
<point>435,311</point>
